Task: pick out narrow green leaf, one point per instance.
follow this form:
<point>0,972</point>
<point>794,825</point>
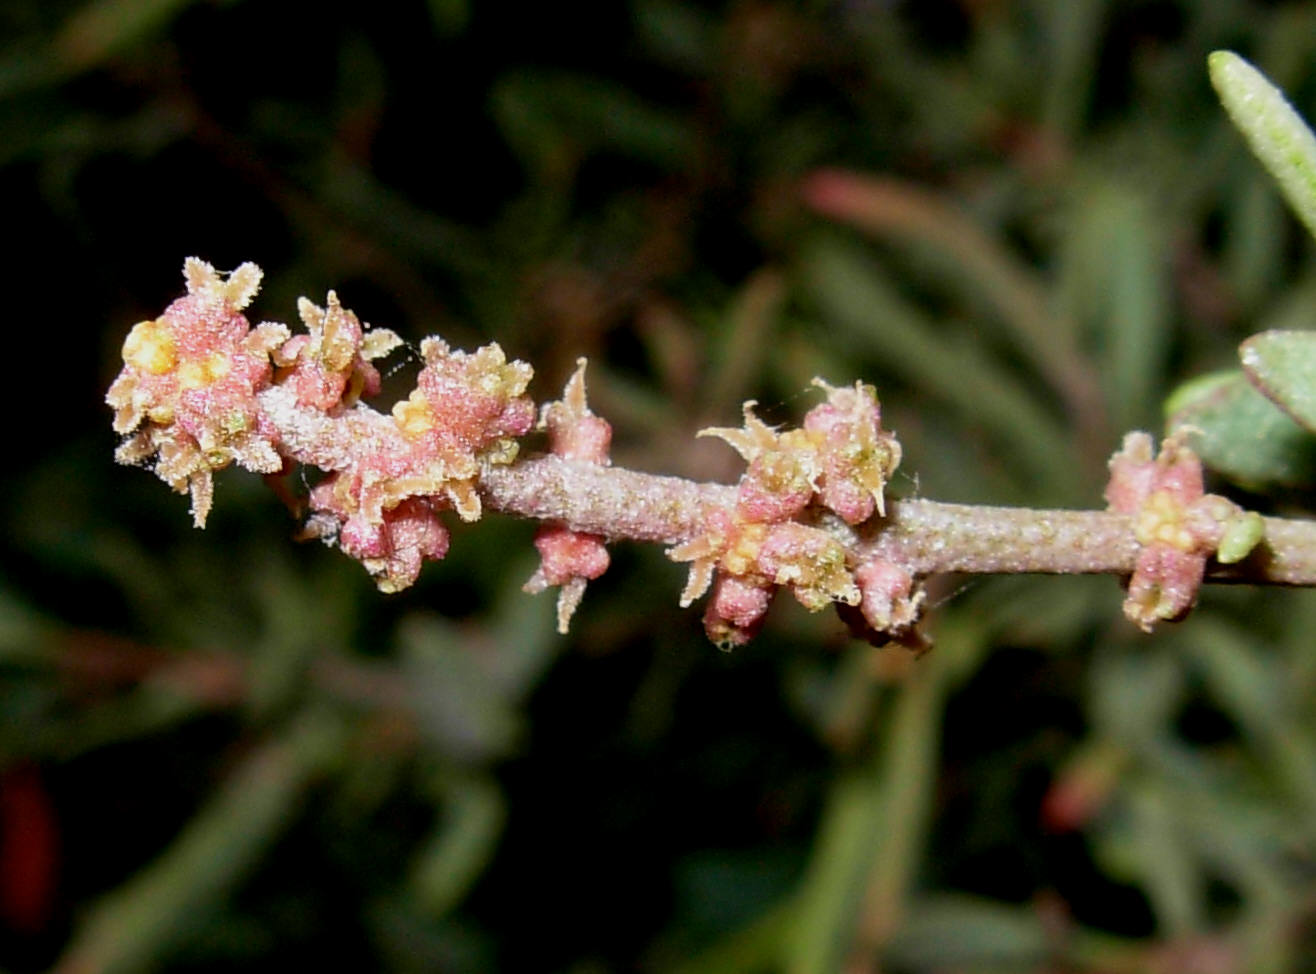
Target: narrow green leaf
<point>972,265</point>
<point>458,851</point>
<point>831,892</point>
<point>1074,32</point>
<point>135,927</point>
<point>873,831</point>
<point>1241,434</point>
<point>1162,858</point>
<point>1115,282</point>
<point>1253,219</point>
<point>755,946</point>
<point>457,706</point>
<point>866,314</point>
<point>1134,697</point>
<point>554,119</point>
<point>1239,677</point>
<point>680,34</point>
<point>951,931</point>
<point>1282,364</point>
<point>103,28</point>
<point>1275,132</point>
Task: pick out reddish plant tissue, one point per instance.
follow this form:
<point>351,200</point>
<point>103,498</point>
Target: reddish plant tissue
<point>836,466</point>
<point>187,392</point>
<point>1176,524</point>
<point>201,388</point>
<point>569,559</point>
<point>29,852</point>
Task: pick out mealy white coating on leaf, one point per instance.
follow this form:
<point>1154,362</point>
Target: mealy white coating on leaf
<point>1282,365</point>
<point>1273,129</point>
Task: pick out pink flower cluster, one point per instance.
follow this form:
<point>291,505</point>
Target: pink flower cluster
<point>187,393</point>
<point>1176,524</point>
<point>200,389</point>
<point>330,365</point>
<point>803,490</point>
<point>466,409</point>
<point>569,559</point>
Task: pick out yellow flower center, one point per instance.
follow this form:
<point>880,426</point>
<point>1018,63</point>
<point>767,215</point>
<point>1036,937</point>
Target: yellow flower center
<point>196,373</point>
<point>150,347</point>
<point>1161,519</point>
<point>413,415</point>
<point>741,556</point>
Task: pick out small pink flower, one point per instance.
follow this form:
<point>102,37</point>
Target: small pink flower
<point>330,365</point>
<point>1136,472</point>
<point>465,411</point>
<point>568,558</point>
<point>574,432</point>
<point>1164,585</point>
<point>856,455</point>
<point>468,402</point>
<point>1177,524</point>
<point>392,546</point>
<point>199,390</point>
<point>776,487</point>
<point>888,601</point>
<point>187,392</point>
<point>736,611</point>
<point>840,458</point>
<point>783,468</point>
<point>567,554</point>
<point>811,562</point>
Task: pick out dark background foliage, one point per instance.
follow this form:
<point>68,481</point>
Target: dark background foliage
<point>223,748</point>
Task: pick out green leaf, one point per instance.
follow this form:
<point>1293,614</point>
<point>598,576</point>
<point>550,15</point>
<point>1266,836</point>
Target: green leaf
<point>103,28</point>
<point>1241,434</point>
<point>865,313</point>
<point>1115,283</point>
<point>1152,847</point>
<point>1237,676</point>
<point>950,931</point>
<point>1242,534</point>
<point>555,119</point>
<point>136,926</point>
<point>1274,131</point>
<point>459,849</point>
<point>1282,364</point>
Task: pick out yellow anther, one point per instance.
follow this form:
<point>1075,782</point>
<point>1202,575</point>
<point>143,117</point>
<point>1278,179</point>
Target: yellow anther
<point>191,375</point>
<point>1161,520</point>
<point>413,415</point>
<point>150,347</point>
<point>742,555</point>
<point>217,366</point>
<point>195,373</point>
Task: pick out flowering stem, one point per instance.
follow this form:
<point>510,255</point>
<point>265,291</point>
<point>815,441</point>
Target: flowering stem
<point>931,537</point>
<point>928,537</point>
<point>202,389</point>
<point>610,501</point>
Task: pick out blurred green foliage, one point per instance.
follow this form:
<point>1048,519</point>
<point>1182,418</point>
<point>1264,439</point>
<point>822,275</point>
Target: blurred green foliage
<point>1023,221</point>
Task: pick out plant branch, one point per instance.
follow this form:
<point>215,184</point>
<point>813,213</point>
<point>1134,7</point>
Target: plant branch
<point>202,389</point>
<point>927,537</point>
